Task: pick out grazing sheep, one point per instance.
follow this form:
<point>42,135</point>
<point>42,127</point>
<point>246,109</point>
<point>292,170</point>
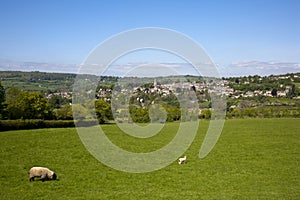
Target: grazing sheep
<point>42,172</point>
<point>182,160</point>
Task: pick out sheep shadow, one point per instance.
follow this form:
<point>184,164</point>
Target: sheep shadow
<point>44,180</point>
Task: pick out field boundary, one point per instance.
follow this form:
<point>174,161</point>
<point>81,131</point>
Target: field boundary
<point>20,124</point>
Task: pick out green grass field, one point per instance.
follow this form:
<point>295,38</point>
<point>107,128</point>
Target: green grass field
<point>253,159</point>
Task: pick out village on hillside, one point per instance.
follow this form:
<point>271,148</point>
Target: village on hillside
<point>248,96</point>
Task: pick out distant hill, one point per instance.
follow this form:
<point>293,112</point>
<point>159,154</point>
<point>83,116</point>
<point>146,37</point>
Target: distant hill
<point>46,82</point>
<point>38,81</point>
<point>247,96</point>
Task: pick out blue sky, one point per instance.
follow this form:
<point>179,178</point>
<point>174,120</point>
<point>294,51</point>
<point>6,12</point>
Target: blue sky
<point>65,31</point>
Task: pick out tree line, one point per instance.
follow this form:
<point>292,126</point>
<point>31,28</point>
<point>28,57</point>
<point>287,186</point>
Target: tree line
<point>18,104</point>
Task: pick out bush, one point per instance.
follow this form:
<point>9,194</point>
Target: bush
<point>205,114</point>
<point>264,112</point>
<point>6,125</point>
<point>140,115</point>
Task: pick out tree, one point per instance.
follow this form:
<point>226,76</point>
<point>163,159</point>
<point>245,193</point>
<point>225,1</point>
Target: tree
<point>205,114</point>
<point>14,106</point>
<point>274,92</point>
<point>56,101</point>
<point>139,114</point>
<point>26,105</point>
<point>193,88</point>
<point>173,113</point>
<point>2,100</point>
<point>81,112</point>
<point>64,112</point>
<point>291,92</point>
<point>36,106</point>
<point>103,111</point>
<point>157,113</point>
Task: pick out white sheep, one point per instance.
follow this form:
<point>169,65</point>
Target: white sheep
<point>42,172</point>
<point>182,160</point>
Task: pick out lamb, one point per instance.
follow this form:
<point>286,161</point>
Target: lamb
<point>42,172</point>
<point>182,160</point>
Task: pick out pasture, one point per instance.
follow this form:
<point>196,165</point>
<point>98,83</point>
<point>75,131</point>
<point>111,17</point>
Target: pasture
<point>253,159</point>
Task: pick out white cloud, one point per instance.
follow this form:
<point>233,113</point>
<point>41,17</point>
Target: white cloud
<point>246,68</point>
<point>243,68</point>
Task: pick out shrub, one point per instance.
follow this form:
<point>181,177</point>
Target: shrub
<point>6,125</point>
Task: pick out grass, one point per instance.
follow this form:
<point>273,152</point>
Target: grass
<point>253,159</point>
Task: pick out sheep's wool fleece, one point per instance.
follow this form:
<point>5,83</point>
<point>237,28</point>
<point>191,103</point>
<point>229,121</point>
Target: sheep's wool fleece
<point>41,171</point>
